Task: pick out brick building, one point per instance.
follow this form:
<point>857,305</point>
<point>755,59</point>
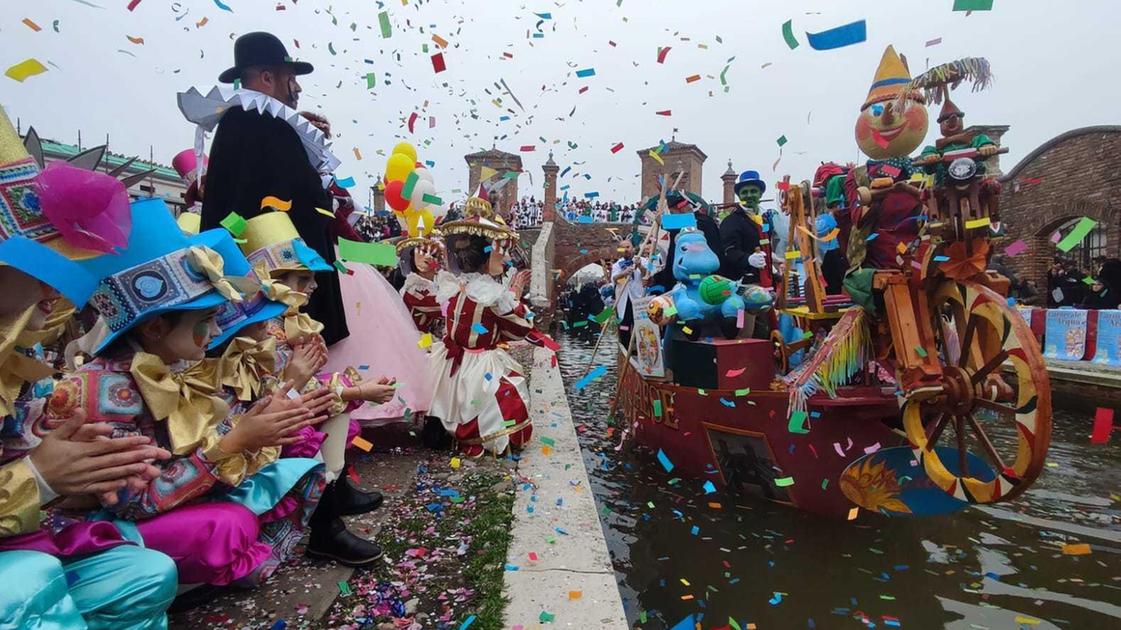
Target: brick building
<point>503,186</point>
<point>681,159</point>
<point>1076,174</point>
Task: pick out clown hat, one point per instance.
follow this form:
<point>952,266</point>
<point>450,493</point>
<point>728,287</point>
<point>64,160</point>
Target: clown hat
<point>189,222</point>
<point>479,219</point>
<point>272,240</point>
<point>74,211</point>
<point>949,110</point>
<point>233,316</point>
<point>186,164</point>
<point>750,178</point>
<point>892,80</point>
<point>161,270</point>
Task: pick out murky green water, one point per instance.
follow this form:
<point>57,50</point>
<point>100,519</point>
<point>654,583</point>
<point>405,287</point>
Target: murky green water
<point>993,567</point>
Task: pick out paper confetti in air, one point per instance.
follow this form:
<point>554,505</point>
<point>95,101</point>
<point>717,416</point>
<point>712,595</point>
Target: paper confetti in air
<point>1076,236</point>
<point>379,254</point>
<point>839,37</point>
<point>346,182</point>
<point>973,5</point>
<point>586,72</point>
<point>276,203</point>
<point>664,461</point>
<point>25,70</point>
<point>360,442</point>
<point>1016,248</point>
<point>788,34</point>
<point>383,21</point>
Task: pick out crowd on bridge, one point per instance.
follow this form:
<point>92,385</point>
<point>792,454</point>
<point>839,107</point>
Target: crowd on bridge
<point>183,396</point>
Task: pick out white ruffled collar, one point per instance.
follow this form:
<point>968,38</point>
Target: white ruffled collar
<point>206,110</point>
<point>483,289</point>
<point>416,283</point>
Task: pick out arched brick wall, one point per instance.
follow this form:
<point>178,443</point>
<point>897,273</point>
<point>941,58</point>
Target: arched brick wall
<point>1079,175</point>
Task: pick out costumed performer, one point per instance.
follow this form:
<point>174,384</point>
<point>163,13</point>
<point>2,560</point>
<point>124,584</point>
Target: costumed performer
<point>419,259</point>
<point>96,578</point>
<point>223,507</point>
<point>480,394</point>
<point>278,253</point>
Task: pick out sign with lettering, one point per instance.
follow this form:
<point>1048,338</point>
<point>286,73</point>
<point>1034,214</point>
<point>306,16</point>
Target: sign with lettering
<point>1065,335</point>
<point>1107,350</point>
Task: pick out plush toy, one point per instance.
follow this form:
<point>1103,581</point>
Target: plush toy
<point>698,297</point>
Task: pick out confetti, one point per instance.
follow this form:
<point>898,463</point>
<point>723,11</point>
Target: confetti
<point>234,223</point>
<point>839,37</point>
<point>586,72</point>
<point>276,203</point>
<point>664,461</point>
<point>361,443</point>
<point>693,78</point>
<point>1016,248</point>
<point>132,4</point>
<point>973,5</point>
<point>784,482</point>
<point>378,254</point>
<point>1079,549</point>
<point>346,182</point>
<point>438,63</point>
<point>25,70</point>
<point>662,52</point>
<point>788,35</point>
<point>1077,235</point>
<point>31,25</point>
<point>1103,426</point>
<point>383,21</point>
<point>218,3</point>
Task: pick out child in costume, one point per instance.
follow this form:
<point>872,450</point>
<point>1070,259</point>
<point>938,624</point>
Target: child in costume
<point>186,163</point>
<point>382,338</point>
<point>159,299</point>
<point>480,394</point>
<point>86,574</point>
<point>418,258</point>
<point>280,255</point>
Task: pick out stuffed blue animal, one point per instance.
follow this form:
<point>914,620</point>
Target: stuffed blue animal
<point>693,265</point>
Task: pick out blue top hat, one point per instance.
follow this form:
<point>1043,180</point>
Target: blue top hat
<point>750,178</point>
<point>163,270</point>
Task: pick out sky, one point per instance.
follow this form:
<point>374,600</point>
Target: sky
<point>1053,63</point>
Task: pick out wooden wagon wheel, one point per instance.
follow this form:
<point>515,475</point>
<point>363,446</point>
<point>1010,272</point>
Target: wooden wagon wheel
<point>977,332</point>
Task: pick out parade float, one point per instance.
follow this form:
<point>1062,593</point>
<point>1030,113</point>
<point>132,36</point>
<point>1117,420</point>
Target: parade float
<point>914,391</point>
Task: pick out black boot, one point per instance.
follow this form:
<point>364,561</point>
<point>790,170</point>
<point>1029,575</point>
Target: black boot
<point>350,500</point>
<point>333,541</point>
<point>330,538</point>
<point>434,435</point>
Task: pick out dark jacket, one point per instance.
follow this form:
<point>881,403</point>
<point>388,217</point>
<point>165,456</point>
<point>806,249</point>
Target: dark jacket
<point>707,225</point>
<point>740,236</point>
<point>254,156</point>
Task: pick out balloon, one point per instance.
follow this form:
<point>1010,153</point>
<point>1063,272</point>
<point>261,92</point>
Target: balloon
<point>393,196</point>
<point>416,218</point>
<point>421,189</point>
<point>398,167</point>
<point>425,175</point>
<point>407,150</point>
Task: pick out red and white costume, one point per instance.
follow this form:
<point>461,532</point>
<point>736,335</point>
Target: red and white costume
<point>480,394</point>
<point>419,295</point>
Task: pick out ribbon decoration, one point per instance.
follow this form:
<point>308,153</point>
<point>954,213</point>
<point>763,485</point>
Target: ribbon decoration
<point>184,399</point>
<point>246,363</point>
<point>209,262</point>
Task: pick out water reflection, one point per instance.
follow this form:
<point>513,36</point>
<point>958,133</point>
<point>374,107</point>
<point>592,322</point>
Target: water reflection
<point>678,552</point>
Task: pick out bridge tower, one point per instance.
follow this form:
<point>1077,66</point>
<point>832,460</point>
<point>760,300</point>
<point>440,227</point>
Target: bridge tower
<point>729,179</point>
<point>549,213</point>
<point>492,166</point>
<point>680,160</point>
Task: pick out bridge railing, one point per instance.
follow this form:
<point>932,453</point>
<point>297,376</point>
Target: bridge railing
<point>541,273</point>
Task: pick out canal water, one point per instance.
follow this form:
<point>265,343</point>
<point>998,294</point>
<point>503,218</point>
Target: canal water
<point>750,562</point>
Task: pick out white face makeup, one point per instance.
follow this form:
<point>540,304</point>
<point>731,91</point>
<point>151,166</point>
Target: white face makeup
<point>299,281</point>
<point>186,340</point>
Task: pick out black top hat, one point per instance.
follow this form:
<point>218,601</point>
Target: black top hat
<point>261,49</point>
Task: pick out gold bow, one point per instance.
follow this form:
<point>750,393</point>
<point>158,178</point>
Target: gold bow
<point>16,368</point>
<point>209,262</point>
<point>184,399</point>
<point>246,362</point>
<point>297,325</point>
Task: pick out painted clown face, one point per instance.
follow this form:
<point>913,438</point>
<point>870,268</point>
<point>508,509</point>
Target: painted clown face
<point>882,132</point>
<point>749,196</point>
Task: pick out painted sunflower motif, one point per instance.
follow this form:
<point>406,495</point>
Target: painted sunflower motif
<point>873,486</point>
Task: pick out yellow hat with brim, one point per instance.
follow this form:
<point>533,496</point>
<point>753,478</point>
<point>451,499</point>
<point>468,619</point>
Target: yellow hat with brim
<point>189,222</point>
<point>271,238</point>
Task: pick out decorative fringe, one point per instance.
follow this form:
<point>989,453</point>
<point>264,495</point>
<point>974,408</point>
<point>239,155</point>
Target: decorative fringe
<point>976,70</point>
<point>842,355</point>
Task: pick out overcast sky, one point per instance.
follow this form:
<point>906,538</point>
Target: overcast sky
<point>1055,64</point>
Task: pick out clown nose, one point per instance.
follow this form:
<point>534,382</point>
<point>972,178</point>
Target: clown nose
<point>888,116</point>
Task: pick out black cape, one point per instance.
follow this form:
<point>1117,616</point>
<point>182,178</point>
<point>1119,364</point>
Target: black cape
<point>256,155</point>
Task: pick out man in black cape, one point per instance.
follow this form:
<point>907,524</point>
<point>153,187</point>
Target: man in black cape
<point>257,155</point>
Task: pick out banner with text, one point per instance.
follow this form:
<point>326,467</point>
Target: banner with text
<point>1065,335</point>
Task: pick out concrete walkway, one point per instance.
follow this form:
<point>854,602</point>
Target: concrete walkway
<point>559,574</point>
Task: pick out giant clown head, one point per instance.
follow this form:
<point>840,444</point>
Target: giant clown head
<point>889,126</point>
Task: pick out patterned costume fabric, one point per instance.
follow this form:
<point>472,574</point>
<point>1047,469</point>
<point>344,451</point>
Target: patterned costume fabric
<point>280,495</point>
<point>19,204</point>
<point>895,220</point>
<point>480,393</point>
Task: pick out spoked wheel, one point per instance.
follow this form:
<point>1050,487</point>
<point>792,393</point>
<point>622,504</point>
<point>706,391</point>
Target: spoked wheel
<point>977,333</point>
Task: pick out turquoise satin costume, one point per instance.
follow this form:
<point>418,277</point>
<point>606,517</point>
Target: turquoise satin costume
<point>124,588</point>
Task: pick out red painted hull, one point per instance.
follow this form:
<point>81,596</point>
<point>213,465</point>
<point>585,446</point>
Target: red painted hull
<point>706,438</point>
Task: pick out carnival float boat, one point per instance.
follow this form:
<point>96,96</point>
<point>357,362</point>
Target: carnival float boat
<point>916,391</point>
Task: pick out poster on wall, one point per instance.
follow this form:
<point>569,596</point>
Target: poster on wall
<point>1107,350</point>
<point>647,341</point>
<point>1065,335</point>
